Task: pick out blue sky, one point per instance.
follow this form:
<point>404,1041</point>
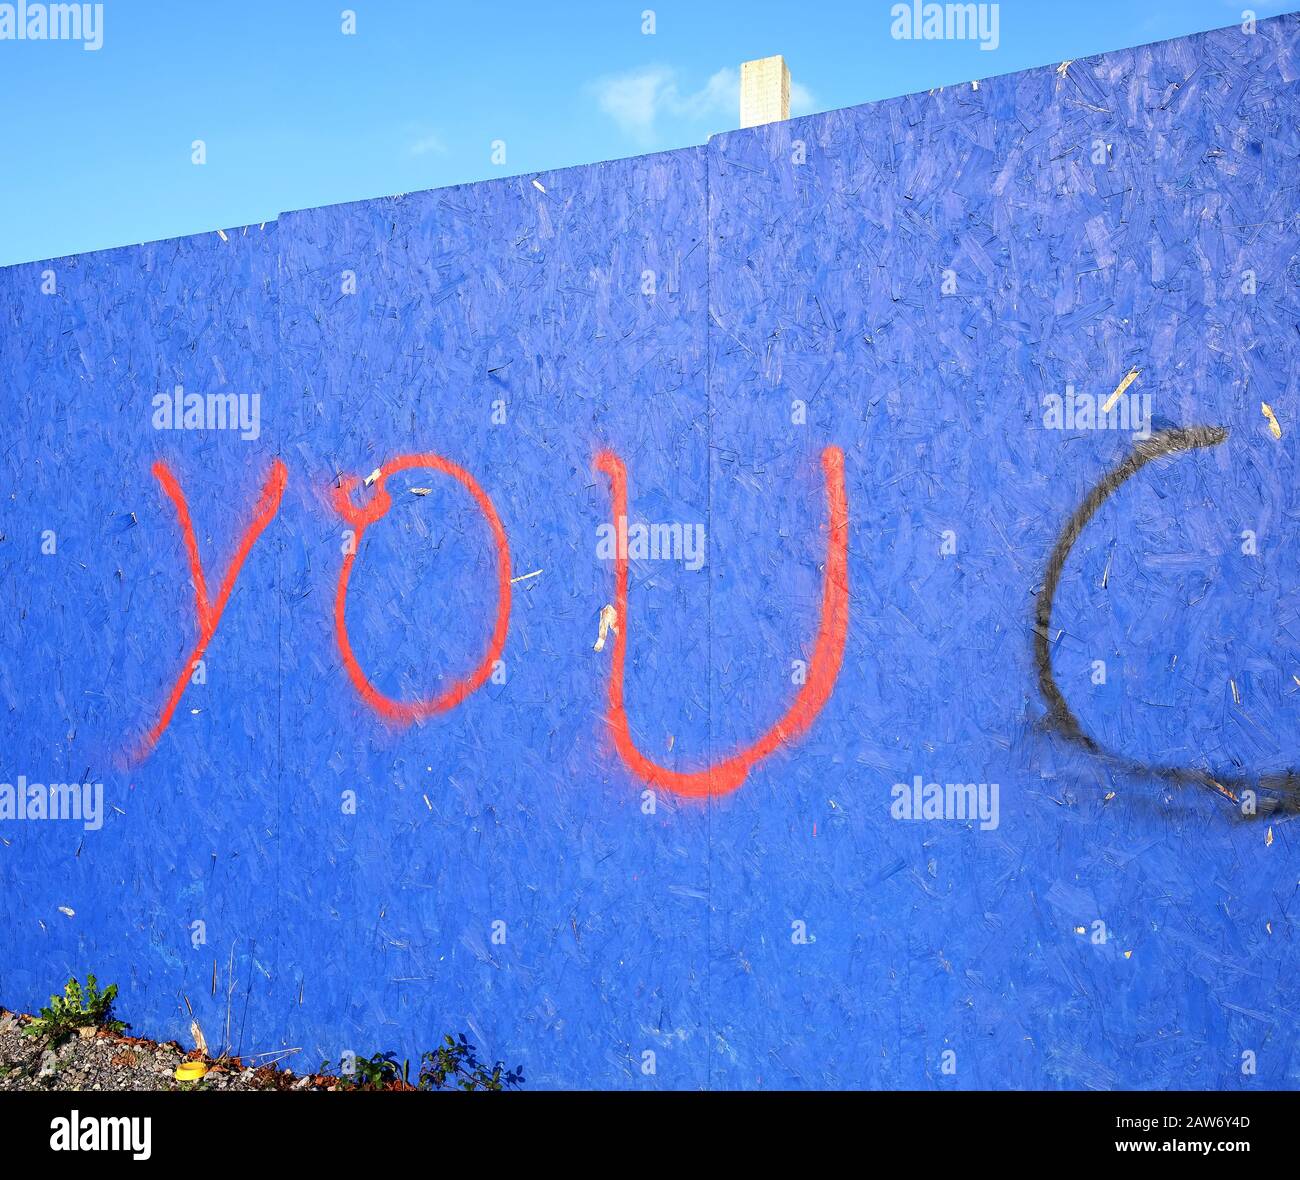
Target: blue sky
<point>95,146</point>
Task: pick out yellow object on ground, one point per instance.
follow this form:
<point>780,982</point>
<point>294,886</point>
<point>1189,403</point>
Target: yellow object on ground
<point>190,1071</point>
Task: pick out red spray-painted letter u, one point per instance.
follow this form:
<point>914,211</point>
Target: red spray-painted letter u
<point>824,669</point>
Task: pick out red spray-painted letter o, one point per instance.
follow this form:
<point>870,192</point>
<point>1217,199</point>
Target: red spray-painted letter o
<point>361,519</point>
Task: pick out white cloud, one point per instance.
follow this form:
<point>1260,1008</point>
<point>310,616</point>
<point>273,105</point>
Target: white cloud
<point>643,101</point>
<point>428,144</point>
<point>802,101</point>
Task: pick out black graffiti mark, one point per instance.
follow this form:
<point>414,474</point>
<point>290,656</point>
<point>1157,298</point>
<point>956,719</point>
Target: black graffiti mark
<point>1274,792</point>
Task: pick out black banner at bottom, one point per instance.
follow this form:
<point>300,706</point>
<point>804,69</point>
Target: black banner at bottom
<point>341,1129</point>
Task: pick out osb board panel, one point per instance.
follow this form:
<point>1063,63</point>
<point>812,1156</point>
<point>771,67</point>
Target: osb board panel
<point>924,273</point>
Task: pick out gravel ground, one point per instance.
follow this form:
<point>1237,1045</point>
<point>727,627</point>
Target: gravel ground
<point>106,1061</point>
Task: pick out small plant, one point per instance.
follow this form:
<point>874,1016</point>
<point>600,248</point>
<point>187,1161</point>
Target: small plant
<point>377,1072</point>
<point>454,1065</point>
<point>75,1010</point>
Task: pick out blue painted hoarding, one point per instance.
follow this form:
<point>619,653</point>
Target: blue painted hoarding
<point>944,287</point>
